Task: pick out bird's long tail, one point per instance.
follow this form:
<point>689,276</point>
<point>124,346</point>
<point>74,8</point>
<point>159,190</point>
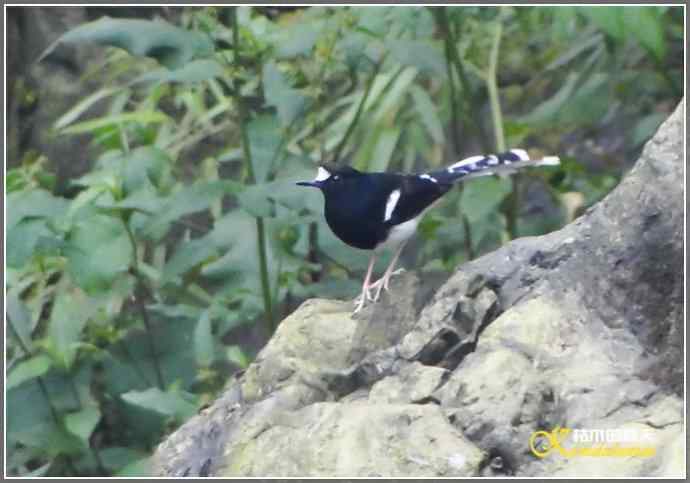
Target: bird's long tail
<point>485,165</point>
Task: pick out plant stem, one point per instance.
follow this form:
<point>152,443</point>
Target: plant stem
<point>455,121</point>
<point>492,86</point>
<point>473,106</point>
<point>260,227</point>
<point>140,291</point>
<point>512,202</point>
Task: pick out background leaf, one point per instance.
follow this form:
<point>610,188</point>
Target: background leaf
<point>29,369</point>
<point>82,423</point>
<point>204,346</point>
<point>99,250</point>
<point>178,404</point>
<point>170,45</point>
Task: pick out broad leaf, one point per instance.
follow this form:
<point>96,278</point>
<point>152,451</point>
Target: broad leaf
<point>24,238</point>
<point>415,53</point>
<point>99,250</point>
<point>180,404</point>
<point>171,46</point>
<point>429,113</point>
<point>190,199</point>
<point>482,196</point>
<point>187,256</point>
<point>35,203</point>
<point>20,318</point>
<point>264,141</point>
<point>646,26</point>
<point>609,19</point>
<point>29,369</point>
<point>82,423</point>
<point>236,355</point>
<point>199,70</point>
<point>204,346</point>
<point>71,310</point>
<point>279,93</point>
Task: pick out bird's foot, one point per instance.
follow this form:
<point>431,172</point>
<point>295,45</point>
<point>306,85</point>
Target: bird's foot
<point>359,304</point>
<point>382,283</point>
<point>365,296</point>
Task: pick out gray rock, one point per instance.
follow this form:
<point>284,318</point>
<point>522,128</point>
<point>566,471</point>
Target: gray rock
<point>581,329</point>
<point>354,439</point>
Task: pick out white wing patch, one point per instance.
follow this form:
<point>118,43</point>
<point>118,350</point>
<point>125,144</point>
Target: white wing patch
<point>429,177</point>
<point>322,174</point>
<point>391,204</point>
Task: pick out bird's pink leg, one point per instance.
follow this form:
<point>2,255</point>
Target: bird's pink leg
<point>365,286</point>
<point>382,283</point>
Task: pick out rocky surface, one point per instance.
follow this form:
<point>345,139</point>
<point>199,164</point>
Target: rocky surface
<point>580,329</point>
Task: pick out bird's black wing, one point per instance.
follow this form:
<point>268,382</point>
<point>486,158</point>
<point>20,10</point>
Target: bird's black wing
<point>417,193</point>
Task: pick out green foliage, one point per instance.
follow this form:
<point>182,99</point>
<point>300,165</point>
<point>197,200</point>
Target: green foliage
<point>171,46</point>
<point>125,294</point>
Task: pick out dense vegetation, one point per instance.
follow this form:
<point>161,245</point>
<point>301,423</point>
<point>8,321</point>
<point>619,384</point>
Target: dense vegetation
<point>126,291</point>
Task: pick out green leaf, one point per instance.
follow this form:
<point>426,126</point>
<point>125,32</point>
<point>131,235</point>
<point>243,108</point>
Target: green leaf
<point>383,152</point>
<point>646,26</point>
<point>394,95</point>
<point>36,203</point>
<point>298,40</point>
<point>279,93</point>
<point>482,196</point>
<point>199,70</point>
<point>116,458</point>
<point>191,199</point>
<point>429,114</point>
<point>646,127</point>
<point>23,240</point>
<point>137,468</point>
<point>179,404</point>
<point>264,140</point>
<point>608,19</point>
<point>139,117</point>
<point>146,165</point>
<point>547,111</point>
<point>257,200</point>
<point>170,45</point>
<point>236,355</point>
<point>20,318</point>
<point>71,310</point>
<point>82,423</point>
<point>99,250</point>
<point>187,256</point>
<point>419,54</point>
<point>29,369</point>
<point>204,347</point>
<point>82,106</point>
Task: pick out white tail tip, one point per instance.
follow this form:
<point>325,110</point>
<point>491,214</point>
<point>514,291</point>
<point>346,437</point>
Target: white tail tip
<point>549,161</point>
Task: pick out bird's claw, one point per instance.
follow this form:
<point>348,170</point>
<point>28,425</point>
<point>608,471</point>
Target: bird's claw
<point>380,285</point>
<point>383,284</point>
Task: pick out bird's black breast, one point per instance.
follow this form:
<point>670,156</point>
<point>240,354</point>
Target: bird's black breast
<point>356,207</point>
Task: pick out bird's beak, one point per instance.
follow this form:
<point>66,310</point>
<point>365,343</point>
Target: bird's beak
<point>313,184</point>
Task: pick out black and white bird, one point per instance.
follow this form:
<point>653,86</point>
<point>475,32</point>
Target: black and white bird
<point>375,211</point>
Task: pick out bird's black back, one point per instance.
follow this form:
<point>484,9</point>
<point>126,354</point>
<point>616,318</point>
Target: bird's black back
<point>356,204</point>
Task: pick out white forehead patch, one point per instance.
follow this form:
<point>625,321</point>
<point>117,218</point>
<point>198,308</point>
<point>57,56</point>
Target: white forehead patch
<point>322,174</point>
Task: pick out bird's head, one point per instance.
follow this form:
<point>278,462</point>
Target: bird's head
<point>329,177</point>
